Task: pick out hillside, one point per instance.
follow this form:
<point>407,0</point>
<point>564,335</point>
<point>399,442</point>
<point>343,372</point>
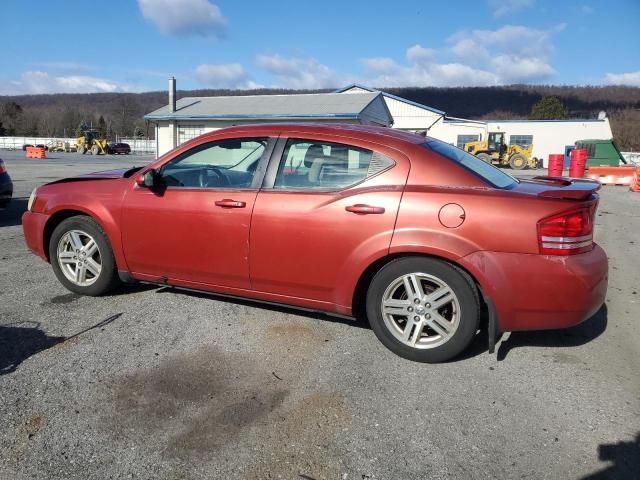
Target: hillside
<point>60,114</point>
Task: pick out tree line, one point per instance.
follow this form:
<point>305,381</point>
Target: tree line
<point>121,114</point>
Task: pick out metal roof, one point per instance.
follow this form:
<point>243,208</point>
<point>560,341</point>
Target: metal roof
<point>390,95</point>
<point>298,107</point>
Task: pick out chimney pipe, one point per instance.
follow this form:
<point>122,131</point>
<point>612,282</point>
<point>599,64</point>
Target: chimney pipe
<point>172,94</point>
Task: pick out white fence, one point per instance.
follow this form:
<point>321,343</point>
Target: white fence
<point>138,145</point>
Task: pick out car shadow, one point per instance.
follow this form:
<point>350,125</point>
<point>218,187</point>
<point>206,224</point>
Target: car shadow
<point>12,215</point>
<point>570,337</point>
<point>20,341</point>
<point>353,322</point>
<point>624,458</point>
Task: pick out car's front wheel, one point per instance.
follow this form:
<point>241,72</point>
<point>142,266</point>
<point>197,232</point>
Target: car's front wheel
<point>423,309</point>
<point>82,258</point>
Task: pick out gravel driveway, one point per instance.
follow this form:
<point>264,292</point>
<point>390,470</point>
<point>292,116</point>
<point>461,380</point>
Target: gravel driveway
<point>155,383</point>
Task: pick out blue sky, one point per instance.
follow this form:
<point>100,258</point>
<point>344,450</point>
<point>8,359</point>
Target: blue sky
<point>134,45</point>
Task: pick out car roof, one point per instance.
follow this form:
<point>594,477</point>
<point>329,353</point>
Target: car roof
<point>352,130</point>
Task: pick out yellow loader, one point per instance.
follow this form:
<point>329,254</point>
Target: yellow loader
<point>89,142</point>
<point>496,152</point>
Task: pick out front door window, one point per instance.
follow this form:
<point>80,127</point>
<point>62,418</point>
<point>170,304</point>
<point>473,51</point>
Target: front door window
<point>223,164</point>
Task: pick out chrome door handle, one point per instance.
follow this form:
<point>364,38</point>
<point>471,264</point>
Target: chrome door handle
<point>228,203</point>
<point>362,209</point>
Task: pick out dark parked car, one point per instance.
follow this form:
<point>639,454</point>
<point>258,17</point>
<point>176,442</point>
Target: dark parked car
<point>119,148</point>
<point>40,145</point>
<point>6,186</point>
<point>420,236</point>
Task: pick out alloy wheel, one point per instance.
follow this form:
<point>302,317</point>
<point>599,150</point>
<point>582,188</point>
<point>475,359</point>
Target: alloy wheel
<point>79,258</point>
<point>421,310</point>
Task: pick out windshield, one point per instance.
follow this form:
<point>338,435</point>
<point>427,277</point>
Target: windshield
<point>492,175</point>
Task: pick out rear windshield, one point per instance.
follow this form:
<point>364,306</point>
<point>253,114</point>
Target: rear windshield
<point>490,174</point>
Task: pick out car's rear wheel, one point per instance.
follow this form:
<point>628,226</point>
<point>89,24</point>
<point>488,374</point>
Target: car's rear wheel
<point>82,258</point>
<point>423,309</point>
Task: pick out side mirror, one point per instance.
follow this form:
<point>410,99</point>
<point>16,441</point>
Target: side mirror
<point>147,179</point>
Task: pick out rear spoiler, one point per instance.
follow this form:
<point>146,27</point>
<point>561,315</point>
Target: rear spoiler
<point>569,188</point>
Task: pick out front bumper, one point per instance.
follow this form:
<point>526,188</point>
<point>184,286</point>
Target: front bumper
<point>538,292</point>
<point>33,228</point>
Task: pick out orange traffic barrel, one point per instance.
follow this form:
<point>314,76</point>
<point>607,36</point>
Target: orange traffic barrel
<point>556,161</point>
<point>578,162</point>
<point>635,181</point>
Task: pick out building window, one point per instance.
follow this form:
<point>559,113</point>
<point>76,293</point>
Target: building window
<point>187,132</point>
<point>523,140</point>
<point>462,139</point>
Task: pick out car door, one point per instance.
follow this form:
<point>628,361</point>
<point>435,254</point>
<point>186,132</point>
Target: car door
<point>194,227</point>
<point>326,209</point>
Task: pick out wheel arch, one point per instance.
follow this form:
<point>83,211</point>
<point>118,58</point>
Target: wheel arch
<point>54,220</point>
<point>358,301</point>
<point>60,215</point>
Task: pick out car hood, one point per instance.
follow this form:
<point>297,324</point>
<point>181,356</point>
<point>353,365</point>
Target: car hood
<point>104,175</point>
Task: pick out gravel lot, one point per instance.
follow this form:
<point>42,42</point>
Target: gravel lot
<point>157,383</point>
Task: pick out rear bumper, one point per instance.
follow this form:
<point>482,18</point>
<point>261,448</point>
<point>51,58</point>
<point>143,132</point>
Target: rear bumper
<point>33,227</point>
<point>537,292</point>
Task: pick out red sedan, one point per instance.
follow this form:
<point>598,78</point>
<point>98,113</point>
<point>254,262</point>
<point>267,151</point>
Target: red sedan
<point>422,237</point>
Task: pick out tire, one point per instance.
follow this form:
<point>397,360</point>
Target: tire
<point>81,150</point>
<point>518,161</point>
<point>95,150</point>
<point>64,253</point>
<point>434,334</point>
<point>485,157</point>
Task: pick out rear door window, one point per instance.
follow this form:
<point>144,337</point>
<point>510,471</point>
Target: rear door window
<point>492,175</point>
<point>319,165</point>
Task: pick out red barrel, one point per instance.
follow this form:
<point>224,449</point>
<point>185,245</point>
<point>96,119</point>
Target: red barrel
<point>578,162</point>
<point>555,164</point>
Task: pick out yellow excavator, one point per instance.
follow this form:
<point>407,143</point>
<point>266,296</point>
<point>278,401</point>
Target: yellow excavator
<point>90,142</point>
<point>494,150</point>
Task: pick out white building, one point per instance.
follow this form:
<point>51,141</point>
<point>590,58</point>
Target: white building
<point>547,136</point>
<point>192,116</point>
<point>551,136</point>
<point>415,117</point>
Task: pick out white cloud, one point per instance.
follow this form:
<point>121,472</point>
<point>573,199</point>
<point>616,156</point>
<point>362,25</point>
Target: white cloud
<point>471,50</point>
<point>478,45</point>
<point>419,54</point>
<point>514,53</point>
<point>510,54</point>
<point>506,7</point>
<point>385,72</point>
<point>184,17</point>
<point>515,69</point>
<point>36,82</point>
<point>299,72</point>
<point>380,65</point>
<point>231,75</point>
<point>587,9</point>
<point>631,79</point>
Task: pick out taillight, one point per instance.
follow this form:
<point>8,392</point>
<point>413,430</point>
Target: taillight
<point>568,233</point>
<point>3,169</point>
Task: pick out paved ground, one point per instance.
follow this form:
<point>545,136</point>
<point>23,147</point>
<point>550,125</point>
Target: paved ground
<point>156,383</point>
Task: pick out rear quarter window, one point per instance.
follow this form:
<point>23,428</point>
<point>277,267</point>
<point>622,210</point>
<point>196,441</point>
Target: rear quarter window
<point>490,174</point>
